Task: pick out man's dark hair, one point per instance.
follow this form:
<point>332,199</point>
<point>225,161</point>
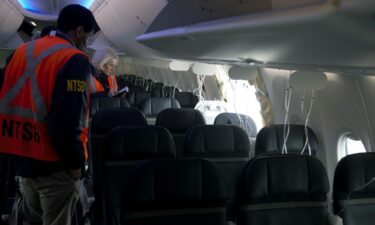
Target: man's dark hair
<point>73,16</point>
<point>47,29</point>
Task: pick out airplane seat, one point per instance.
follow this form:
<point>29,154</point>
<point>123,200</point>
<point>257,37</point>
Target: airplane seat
<point>149,85</point>
<point>354,189</point>
<point>125,146</point>
<point>129,78</point>
<point>107,119</point>
<point>137,96</point>
<point>102,123</point>
<point>157,90</point>
<point>241,120</point>
<point>151,107</point>
<point>100,103</point>
<point>174,191</point>
<point>168,91</point>
<point>186,99</point>
<point>227,146</point>
<point>283,189</point>
<point>178,122</point>
<point>270,140</point>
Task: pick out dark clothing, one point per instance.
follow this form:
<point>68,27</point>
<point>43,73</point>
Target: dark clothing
<point>103,80</point>
<point>2,71</point>
<point>1,77</point>
<point>65,121</point>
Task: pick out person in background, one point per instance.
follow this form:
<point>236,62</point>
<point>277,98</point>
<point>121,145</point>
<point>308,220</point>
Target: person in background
<point>103,81</point>
<point>46,30</point>
<point>44,117</point>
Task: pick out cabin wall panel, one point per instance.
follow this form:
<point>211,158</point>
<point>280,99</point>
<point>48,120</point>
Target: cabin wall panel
<point>10,20</point>
<point>367,84</point>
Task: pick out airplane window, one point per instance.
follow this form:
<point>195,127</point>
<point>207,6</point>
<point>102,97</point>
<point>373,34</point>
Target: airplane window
<point>350,144</point>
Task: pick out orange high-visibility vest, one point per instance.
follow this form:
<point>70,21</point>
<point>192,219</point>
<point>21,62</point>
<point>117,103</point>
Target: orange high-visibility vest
<point>26,98</point>
<point>96,86</point>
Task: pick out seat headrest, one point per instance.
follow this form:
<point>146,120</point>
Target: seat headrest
<point>275,178</point>
<point>153,106</point>
<point>107,119</point>
<point>137,143</point>
<point>100,103</point>
<point>217,141</point>
<point>137,96</point>
<point>354,173</point>
<point>179,120</point>
<point>240,120</point>
<point>270,140</point>
<point>158,184</point>
<point>186,99</point>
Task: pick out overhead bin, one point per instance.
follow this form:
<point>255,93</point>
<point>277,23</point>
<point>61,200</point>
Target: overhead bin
<point>328,36</point>
<point>122,21</point>
<point>187,12</point>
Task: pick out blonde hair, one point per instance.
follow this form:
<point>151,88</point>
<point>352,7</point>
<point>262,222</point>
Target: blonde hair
<point>103,56</point>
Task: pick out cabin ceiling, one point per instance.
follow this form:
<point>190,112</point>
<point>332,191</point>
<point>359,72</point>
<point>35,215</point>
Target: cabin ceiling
<point>326,35</point>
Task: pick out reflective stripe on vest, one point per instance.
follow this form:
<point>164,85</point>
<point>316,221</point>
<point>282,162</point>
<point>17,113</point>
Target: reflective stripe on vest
<point>24,131</point>
<point>95,85</point>
<point>30,71</point>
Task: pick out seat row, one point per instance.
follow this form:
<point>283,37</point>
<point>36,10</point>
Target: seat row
<point>265,190</point>
<point>141,89</point>
<point>143,142</point>
<point>150,106</point>
<point>125,147</point>
<point>165,112</point>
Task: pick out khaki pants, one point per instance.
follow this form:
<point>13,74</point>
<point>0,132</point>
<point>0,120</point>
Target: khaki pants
<point>49,200</point>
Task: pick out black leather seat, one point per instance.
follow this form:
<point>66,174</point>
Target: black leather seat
<point>178,191</point>
<point>157,90</point>
<point>169,91</point>
<point>354,189</point>
<point>151,107</point>
<point>107,119</point>
<point>178,122</point>
<point>186,99</point>
<point>100,103</point>
<point>227,146</point>
<point>243,121</point>
<point>270,140</point>
<point>103,122</point>
<point>137,96</point>
<point>124,148</point>
<point>283,189</point>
